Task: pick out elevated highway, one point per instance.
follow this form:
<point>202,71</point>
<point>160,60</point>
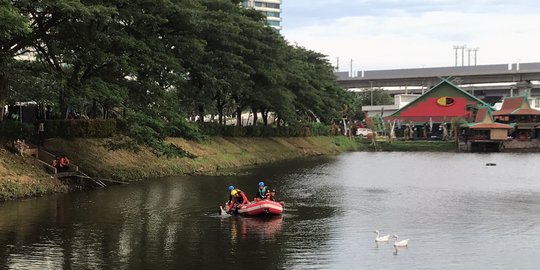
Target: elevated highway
<point>498,80</point>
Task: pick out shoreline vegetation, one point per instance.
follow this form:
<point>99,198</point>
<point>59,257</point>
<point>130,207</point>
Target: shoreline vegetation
<point>23,177</point>
<point>210,72</point>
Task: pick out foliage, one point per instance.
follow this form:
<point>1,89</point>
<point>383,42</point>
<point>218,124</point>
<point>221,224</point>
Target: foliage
<point>15,130</point>
<point>154,64</point>
<point>364,98</point>
<point>314,129</point>
<point>318,129</point>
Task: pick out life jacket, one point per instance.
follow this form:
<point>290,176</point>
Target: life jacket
<point>240,194</point>
<point>263,192</point>
<point>62,162</point>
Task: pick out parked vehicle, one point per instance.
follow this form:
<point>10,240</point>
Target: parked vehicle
<point>363,132</point>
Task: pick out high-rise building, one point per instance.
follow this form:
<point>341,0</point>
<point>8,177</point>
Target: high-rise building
<point>271,8</point>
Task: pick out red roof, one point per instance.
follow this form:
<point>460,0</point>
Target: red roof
<point>420,119</point>
<point>490,126</point>
<point>480,115</point>
<point>516,106</point>
<point>526,112</point>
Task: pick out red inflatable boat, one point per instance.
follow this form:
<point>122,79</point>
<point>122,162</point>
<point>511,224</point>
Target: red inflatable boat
<point>264,207</point>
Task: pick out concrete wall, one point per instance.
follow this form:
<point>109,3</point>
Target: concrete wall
<point>532,145</point>
<point>499,134</point>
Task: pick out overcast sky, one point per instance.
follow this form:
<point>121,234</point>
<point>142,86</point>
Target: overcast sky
<point>387,34</point>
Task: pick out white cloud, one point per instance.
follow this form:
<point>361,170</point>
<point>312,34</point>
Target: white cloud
<point>398,39</point>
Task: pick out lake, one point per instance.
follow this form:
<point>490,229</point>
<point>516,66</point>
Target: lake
<point>457,212</point>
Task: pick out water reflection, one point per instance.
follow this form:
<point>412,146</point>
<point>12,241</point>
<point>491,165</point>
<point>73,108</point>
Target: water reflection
<point>397,250</point>
<point>460,214</point>
<point>265,229</point>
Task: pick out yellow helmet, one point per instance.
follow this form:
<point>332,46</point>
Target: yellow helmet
<point>234,192</point>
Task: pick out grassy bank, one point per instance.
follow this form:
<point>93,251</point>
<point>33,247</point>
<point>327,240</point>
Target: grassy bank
<point>416,146</point>
<point>214,156</point>
<point>23,177</point>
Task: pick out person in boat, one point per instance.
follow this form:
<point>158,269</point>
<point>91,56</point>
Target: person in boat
<point>237,198</point>
<point>262,192</point>
<point>271,195</point>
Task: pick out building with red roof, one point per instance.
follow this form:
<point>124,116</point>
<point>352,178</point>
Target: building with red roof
<point>485,128</point>
<point>444,102</point>
<point>432,112</point>
<point>518,112</point>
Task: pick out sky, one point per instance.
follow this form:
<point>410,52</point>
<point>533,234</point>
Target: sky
<point>392,34</point>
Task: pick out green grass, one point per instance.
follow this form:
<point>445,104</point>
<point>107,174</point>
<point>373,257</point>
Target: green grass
<point>416,146</point>
<point>214,156</point>
<point>24,177</point>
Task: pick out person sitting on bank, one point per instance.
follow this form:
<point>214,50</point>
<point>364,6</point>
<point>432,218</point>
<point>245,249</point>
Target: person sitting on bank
<point>237,198</point>
<point>64,162</point>
<point>61,163</point>
<point>262,192</point>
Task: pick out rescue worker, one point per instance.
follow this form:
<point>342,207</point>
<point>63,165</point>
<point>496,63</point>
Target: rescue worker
<point>262,192</point>
<point>237,198</point>
<point>271,195</point>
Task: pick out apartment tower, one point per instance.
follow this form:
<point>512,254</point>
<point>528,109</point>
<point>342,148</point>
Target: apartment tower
<point>271,8</point>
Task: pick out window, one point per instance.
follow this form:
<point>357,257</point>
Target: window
<point>274,23</point>
<point>267,5</point>
<point>272,14</point>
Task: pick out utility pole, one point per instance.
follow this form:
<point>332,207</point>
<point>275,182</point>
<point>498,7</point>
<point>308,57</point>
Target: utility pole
<point>352,75</point>
<point>475,50</point>
<point>371,83</point>
<point>463,47</point>
<point>456,48</point>
<point>469,57</point>
<point>337,66</point>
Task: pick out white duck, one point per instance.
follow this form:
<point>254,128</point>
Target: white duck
<point>402,243</point>
<point>379,238</point>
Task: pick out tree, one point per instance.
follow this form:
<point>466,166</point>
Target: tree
<point>365,97</point>
<point>14,30</point>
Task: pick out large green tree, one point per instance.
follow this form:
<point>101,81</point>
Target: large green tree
<point>14,32</point>
<point>154,62</point>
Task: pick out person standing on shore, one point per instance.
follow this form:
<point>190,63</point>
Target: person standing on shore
<point>41,133</point>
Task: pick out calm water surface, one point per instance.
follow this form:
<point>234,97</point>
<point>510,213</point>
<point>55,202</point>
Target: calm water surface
<point>458,214</point>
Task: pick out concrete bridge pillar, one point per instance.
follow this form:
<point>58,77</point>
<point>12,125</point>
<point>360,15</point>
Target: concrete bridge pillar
<point>523,88</point>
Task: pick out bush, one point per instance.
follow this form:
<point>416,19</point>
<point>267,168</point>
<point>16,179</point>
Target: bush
<point>15,130</point>
<point>313,129</point>
<point>318,129</point>
<point>80,128</point>
<point>182,128</point>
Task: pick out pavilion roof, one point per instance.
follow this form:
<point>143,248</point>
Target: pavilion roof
<point>516,106</point>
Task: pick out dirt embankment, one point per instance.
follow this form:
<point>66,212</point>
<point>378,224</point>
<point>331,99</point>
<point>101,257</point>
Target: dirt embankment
<point>214,156</point>
<point>24,177</point>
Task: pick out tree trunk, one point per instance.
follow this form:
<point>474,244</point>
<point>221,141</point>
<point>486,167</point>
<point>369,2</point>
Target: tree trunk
<point>62,103</point>
<point>94,109</point>
<point>265,117</point>
<point>220,107</point>
<point>220,117</point>
<point>255,116</point>
<point>201,113</point>
<point>3,95</point>
<point>238,117</point>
